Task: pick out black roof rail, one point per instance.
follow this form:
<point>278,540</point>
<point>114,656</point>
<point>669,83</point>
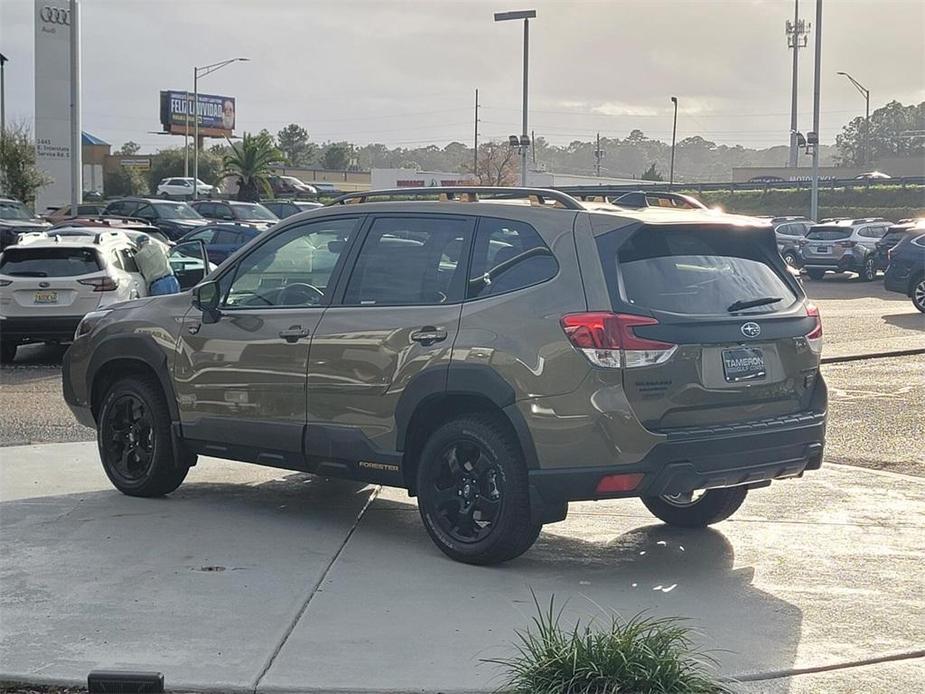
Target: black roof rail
<point>536,196</point>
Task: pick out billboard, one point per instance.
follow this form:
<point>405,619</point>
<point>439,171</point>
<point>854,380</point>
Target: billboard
<point>53,23</point>
<point>216,113</point>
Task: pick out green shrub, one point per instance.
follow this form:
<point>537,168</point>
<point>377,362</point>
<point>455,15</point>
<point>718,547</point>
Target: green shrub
<point>640,656</point>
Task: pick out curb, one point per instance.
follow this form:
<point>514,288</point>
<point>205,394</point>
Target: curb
<point>873,355</point>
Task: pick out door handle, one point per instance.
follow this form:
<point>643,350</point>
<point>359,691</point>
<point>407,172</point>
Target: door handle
<point>293,334</point>
<point>428,335</point>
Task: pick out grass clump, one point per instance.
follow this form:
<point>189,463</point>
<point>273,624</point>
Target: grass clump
<point>639,656</point>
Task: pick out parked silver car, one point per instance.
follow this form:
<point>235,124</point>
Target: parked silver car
<point>845,245</point>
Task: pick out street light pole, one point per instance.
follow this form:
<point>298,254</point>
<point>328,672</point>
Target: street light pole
<point>674,132</point>
<point>866,94</point>
<point>197,73</point>
<point>525,15</point>
<point>814,196</point>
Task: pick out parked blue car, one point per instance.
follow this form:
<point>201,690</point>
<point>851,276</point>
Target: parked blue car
<point>906,271</point>
<point>222,239</point>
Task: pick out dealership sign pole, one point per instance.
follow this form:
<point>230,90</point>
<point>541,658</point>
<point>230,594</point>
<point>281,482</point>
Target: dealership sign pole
<point>57,101</point>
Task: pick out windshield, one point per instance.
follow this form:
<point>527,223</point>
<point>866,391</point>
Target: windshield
<point>176,210</point>
<point>14,210</point>
<point>245,210</point>
<point>48,262</point>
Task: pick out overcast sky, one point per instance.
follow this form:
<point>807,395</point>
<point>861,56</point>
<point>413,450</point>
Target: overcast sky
<point>404,73</point>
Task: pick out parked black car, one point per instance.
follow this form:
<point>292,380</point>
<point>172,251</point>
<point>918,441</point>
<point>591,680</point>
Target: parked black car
<point>222,239</point>
<point>894,235</point>
<point>906,271</point>
<point>287,208</point>
<point>172,217</point>
<point>252,213</point>
<point>15,219</point>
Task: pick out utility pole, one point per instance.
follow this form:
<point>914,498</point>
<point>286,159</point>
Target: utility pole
<point>533,145</point>
<point>475,142</point>
<point>674,133</point>
<point>598,154</point>
<point>865,92</point>
<point>3,60</point>
<point>523,149</point>
<point>814,199</point>
<point>796,39</point>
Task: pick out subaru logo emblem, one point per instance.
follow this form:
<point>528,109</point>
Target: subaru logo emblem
<point>751,329</point>
<point>43,285</point>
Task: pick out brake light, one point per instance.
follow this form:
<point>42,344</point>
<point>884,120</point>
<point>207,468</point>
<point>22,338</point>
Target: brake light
<point>610,340</point>
<point>814,336</point>
<point>846,244</point>
<point>803,242</point>
<point>102,284</point>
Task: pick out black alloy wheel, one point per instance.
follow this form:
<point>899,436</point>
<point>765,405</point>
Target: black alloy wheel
<point>127,437</point>
<point>467,492</point>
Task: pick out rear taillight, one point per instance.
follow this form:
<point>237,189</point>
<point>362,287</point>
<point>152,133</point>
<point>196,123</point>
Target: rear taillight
<point>5,283</point>
<point>802,242</point>
<point>889,254</point>
<point>610,340</point>
<point>102,284</point>
<point>846,244</point>
<point>814,336</point>
<point>614,484</point>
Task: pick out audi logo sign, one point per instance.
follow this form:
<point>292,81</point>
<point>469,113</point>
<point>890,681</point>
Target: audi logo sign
<point>55,15</point>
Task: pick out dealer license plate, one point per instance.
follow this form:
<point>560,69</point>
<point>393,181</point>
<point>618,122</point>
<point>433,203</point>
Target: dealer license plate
<point>46,297</point>
<point>743,364</point>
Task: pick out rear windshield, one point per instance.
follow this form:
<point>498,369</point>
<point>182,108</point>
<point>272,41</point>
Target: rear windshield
<point>693,272</point>
<point>828,233</point>
<point>176,210</point>
<point>49,262</point>
<point>249,210</point>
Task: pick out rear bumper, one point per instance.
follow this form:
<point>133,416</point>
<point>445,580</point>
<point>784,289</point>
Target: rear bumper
<point>897,278</point>
<point>847,263</point>
<point>743,454</point>
<point>39,329</point>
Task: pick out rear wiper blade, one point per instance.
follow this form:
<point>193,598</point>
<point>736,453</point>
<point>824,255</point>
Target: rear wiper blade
<point>33,273</point>
<point>752,303</point>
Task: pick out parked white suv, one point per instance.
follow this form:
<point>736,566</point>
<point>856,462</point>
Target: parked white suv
<point>49,283</point>
<point>183,188</point>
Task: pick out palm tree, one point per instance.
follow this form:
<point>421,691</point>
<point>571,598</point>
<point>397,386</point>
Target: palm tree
<point>250,161</point>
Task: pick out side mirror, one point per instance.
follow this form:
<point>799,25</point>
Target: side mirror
<point>206,298</point>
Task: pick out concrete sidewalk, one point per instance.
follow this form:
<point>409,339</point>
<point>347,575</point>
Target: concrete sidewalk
<point>249,578</point>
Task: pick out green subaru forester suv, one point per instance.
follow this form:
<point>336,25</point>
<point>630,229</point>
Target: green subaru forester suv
<point>498,352</point>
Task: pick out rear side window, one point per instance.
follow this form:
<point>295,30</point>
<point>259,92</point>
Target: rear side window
<point>828,233</point>
<point>226,236</point>
<point>790,229</point>
<point>692,271</point>
<point>410,261</point>
<point>508,255</point>
<point>49,262</point>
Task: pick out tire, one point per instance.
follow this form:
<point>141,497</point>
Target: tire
<point>918,293</point>
<point>473,465</point>
<point>713,506</point>
<point>868,273</point>
<point>7,352</point>
<point>816,274</point>
<point>792,259</point>
<point>163,195</point>
<point>137,456</point>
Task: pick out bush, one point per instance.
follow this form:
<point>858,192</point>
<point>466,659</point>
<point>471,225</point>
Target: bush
<point>641,656</point>
<point>125,181</point>
<point>891,202</point>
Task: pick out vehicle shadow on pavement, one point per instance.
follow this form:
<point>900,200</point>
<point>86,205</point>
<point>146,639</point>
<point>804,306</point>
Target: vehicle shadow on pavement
<point>635,568</point>
<point>91,563</point>
<point>910,321</point>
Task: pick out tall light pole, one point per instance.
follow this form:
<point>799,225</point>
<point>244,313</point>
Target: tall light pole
<point>76,133</point>
<point>796,39</point>
<point>197,73</point>
<point>674,132</point>
<point>814,135</point>
<point>866,94</point>
<point>525,15</point>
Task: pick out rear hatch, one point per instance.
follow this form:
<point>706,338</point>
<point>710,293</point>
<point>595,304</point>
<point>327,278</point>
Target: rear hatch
<point>52,281</point>
<point>826,243</point>
<point>725,333</point>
